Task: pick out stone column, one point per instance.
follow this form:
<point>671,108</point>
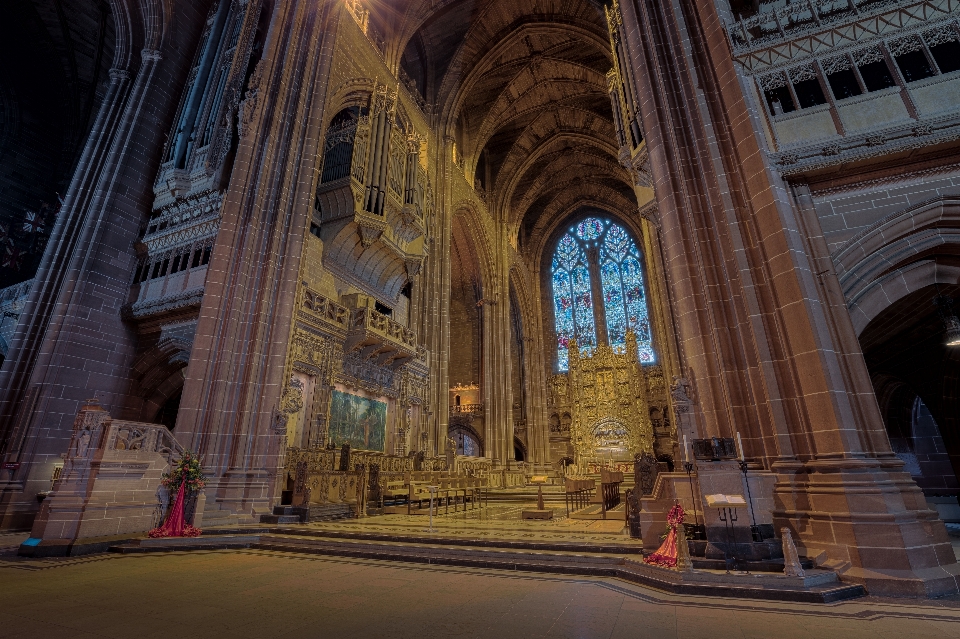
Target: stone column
<point>71,341</point>
<point>236,377</point>
<point>770,351</point>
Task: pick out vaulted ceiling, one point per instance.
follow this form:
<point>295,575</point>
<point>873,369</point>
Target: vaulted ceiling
<point>521,86</point>
<point>56,56</point>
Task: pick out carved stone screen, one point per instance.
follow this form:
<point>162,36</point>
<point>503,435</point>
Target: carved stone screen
<point>358,421</point>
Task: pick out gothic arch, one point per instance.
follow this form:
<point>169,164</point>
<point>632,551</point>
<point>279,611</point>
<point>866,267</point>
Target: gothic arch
<point>544,256</point>
<point>536,90</point>
<point>477,240</point>
<point>352,93</point>
<point>159,373</point>
<point>557,145</point>
<point>571,174</point>
<point>899,255</point>
<point>542,252</point>
<point>474,56</point>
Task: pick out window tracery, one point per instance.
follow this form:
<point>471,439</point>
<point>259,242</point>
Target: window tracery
<point>600,249</point>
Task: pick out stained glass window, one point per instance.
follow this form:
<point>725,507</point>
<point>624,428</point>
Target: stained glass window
<point>623,305</point>
<point>613,303</point>
<point>589,229</point>
<point>583,308</point>
<point>563,310</point>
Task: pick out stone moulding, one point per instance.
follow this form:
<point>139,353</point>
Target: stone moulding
<point>830,36</point>
<point>148,308</point>
<point>870,144</point>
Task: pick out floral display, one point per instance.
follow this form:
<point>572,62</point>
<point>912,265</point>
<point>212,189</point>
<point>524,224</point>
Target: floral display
<point>186,475</point>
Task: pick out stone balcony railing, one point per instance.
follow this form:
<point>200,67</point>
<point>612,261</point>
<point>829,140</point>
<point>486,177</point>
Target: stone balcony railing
<point>777,21</point>
<point>139,436</point>
<point>774,38</point>
<point>467,408</point>
<point>379,338</point>
<point>324,309</point>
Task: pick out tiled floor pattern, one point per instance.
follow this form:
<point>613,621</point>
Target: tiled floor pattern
<point>263,594</point>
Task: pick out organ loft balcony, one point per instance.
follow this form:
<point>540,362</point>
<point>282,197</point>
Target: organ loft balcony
<point>378,338</point>
<point>374,196</point>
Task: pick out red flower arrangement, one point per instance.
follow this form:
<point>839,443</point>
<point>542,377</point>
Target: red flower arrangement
<point>186,475</point>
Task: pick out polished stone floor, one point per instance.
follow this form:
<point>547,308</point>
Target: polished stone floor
<point>267,594</point>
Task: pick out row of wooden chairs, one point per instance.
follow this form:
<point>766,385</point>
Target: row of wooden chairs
<point>577,493</point>
<point>451,490</point>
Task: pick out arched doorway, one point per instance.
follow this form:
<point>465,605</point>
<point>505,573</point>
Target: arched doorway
<point>167,415</point>
<point>519,450</point>
<point>915,376</point>
<point>469,442</point>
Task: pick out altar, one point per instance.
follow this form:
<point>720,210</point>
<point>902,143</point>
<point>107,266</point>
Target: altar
<point>610,398</point>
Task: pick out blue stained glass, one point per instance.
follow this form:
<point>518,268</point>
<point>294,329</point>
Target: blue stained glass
<point>624,304</point>
<point>617,243</point>
<point>568,253</point>
<point>590,229</point>
<point>563,310</point>
<point>583,308</point>
<point>637,305</point>
<point>613,304</point>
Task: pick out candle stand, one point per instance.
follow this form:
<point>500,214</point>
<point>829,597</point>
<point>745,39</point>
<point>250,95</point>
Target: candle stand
<point>728,516</point>
<point>754,528</point>
<point>696,532</point>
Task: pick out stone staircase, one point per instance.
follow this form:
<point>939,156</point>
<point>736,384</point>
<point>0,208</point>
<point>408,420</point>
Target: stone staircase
<point>284,515</point>
<point>615,560</point>
<point>331,512</point>
<point>315,513</point>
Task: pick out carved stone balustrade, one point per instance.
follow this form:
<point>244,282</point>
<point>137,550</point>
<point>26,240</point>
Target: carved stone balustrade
<point>377,337</point>
<point>467,408</point>
<point>110,483</point>
<point>319,307</point>
<point>139,436</point>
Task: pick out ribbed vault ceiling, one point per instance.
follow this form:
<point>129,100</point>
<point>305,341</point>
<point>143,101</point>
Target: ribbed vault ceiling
<point>522,84</point>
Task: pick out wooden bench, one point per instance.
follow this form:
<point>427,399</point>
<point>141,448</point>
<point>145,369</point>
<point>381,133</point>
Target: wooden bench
<point>417,492</point>
<point>395,490</point>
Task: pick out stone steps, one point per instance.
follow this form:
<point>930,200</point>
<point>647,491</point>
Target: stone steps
<point>284,515</point>
<point>576,558</point>
<point>315,513</point>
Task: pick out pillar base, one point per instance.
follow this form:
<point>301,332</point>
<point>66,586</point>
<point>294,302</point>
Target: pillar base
<point>869,521</point>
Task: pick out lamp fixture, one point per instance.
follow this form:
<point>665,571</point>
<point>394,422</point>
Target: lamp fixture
<point>950,321</point>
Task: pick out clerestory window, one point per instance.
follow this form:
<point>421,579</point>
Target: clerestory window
<point>598,290</point>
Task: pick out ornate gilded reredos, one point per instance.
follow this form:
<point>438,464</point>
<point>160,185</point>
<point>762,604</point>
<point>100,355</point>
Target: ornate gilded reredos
<point>608,394</point>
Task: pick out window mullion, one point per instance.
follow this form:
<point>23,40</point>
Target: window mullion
<point>623,300</point>
<point>596,293</point>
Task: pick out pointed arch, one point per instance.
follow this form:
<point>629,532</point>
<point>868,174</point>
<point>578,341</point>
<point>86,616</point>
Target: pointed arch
<point>597,287</point>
